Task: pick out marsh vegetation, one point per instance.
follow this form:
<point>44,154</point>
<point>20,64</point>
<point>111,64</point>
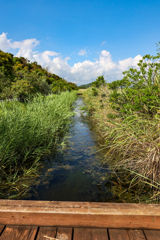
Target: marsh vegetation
<point>126,113</point>
<point>28,131</point>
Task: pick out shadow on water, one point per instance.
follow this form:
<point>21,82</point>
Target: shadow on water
<point>76,172</point>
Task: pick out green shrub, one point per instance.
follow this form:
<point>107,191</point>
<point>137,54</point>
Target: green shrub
<point>94,92</point>
<point>99,82</point>
<point>139,89</point>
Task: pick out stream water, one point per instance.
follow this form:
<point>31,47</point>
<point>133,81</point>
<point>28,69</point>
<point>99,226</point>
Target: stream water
<point>76,172</point>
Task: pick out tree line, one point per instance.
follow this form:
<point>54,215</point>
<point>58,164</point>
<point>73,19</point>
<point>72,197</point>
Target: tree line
<point>22,79</point>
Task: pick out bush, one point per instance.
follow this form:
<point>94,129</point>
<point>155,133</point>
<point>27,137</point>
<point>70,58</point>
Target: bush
<point>30,84</point>
<point>99,82</point>
<point>94,92</point>
<point>139,90</point>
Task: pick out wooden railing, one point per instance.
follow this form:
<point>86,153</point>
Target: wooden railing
<point>80,214</point>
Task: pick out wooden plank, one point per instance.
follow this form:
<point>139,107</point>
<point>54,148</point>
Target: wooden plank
<point>80,214</point>
<point>152,234</point>
<point>82,233</point>
<point>46,233</point>
<point>90,234</point>
<point>64,233</point>
<point>136,234</point>
<point>99,234</point>
<point>1,228</point>
<point>19,233</point>
<point>118,234</point>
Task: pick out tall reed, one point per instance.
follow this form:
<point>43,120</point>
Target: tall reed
<point>27,132</point>
<point>132,143</point>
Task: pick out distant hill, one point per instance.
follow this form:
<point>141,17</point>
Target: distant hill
<point>84,86</point>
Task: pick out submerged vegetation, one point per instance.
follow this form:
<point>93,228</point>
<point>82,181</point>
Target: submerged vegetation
<point>127,115</point>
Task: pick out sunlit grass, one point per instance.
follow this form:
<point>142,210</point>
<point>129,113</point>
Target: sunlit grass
<point>132,143</point>
<point>27,132</point>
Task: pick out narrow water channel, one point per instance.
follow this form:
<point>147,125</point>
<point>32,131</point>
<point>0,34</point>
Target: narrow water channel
<point>75,173</point>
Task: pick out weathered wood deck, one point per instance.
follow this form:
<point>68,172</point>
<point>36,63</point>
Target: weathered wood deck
<point>38,220</point>
<point>66,233</point>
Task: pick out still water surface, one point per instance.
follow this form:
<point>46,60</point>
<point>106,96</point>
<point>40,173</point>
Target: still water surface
<point>77,172</point>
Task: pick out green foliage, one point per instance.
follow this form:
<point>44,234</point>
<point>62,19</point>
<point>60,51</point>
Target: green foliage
<point>4,86</point>
<point>21,89</point>
<point>73,86</point>
<point>139,90</point>
<point>85,86</point>
<point>110,115</point>
<point>99,82</point>
<point>27,132</point>
<point>96,84</point>
<point>103,95</point>
<point>94,91</point>
<point>6,65</point>
<point>60,86</point>
<point>22,79</point>
<point>30,84</point>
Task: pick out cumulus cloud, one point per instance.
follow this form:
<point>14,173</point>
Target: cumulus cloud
<point>81,72</point>
<point>82,52</point>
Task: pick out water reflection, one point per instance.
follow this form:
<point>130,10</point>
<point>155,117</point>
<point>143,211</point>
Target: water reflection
<point>74,173</point>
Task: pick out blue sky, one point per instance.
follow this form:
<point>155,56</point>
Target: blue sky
<point>80,40</point>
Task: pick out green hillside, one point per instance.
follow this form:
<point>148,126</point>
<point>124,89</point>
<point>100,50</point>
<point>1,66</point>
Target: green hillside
<point>22,79</point>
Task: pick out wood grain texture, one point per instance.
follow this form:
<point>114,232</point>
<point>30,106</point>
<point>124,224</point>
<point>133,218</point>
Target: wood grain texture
<point>152,234</point>
<point>136,234</point>
<point>1,228</point>
<point>118,234</point>
<point>19,233</point>
<point>82,233</point>
<point>99,234</point>
<point>80,214</point>
<point>90,234</point>
<point>46,233</point>
<point>64,233</point>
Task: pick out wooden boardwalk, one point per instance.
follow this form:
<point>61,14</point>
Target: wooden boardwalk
<point>47,220</point>
<point>66,233</point>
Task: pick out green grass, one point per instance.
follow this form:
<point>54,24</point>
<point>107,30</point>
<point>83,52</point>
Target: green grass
<point>27,132</point>
<point>132,145</point>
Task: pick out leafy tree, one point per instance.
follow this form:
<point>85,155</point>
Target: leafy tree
<point>30,84</point>
<point>22,89</point>
<point>60,86</point>
<point>6,65</point>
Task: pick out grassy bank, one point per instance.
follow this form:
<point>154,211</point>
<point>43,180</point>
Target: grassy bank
<point>27,132</point>
<point>132,147</point>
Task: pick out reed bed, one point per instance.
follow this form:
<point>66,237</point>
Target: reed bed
<point>27,132</point>
<point>132,146</point>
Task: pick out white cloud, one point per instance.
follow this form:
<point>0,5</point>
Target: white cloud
<point>81,72</point>
<point>6,44</point>
<point>82,52</point>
